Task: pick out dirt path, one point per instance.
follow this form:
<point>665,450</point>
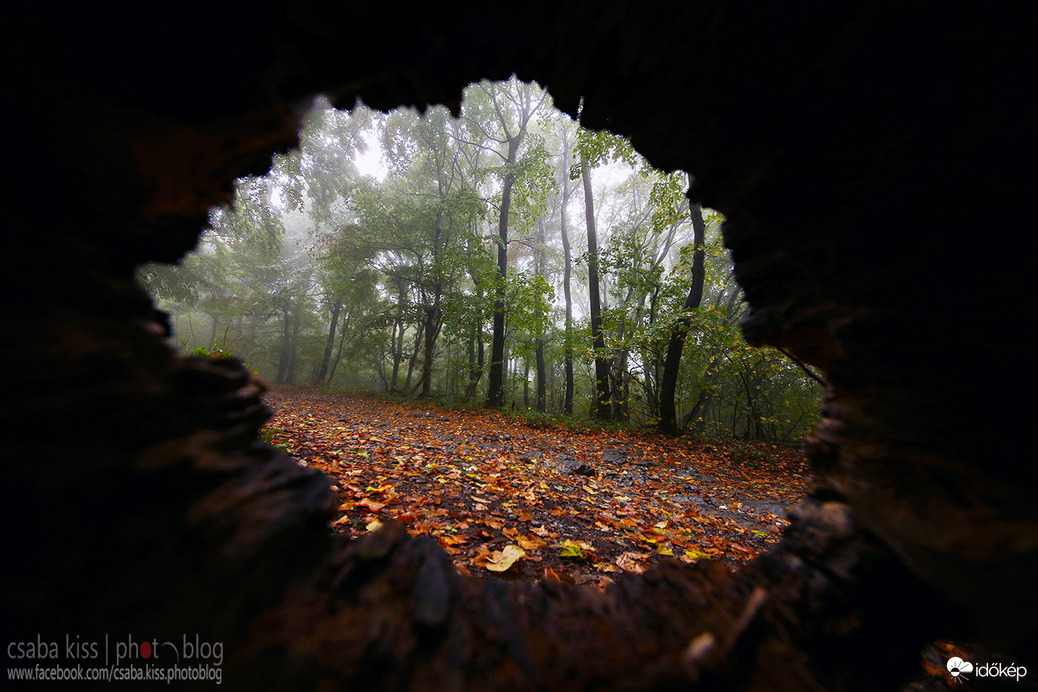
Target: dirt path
<point>506,498</point>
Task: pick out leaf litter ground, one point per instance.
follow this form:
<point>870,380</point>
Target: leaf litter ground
<point>505,498</point>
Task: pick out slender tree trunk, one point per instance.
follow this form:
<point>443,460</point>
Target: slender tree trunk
<point>397,342</point>
<point>338,352</point>
<point>495,380</point>
<point>601,402</point>
<point>620,388</point>
<point>414,356</point>
<point>293,343</point>
<point>541,261</point>
<point>433,313</point>
<point>542,385</point>
<point>330,343</point>
<point>433,322</point>
<point>567,272</point>
<point>669,381</point>
<point>470,387</point>
<point>283,357</point>
<point>526,384</point>
<point>397,346</point>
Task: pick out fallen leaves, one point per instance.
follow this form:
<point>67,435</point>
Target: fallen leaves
<point>499,560</point>
<point>633,562</point>
<point>576,549</point>
<point>481,485</point>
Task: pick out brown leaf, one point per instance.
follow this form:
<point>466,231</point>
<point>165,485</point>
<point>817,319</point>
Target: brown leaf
<point>630,562</point>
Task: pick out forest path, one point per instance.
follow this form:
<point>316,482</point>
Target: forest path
<point>546,502</point>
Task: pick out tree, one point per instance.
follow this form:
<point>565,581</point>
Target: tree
<point>676,345</point>
<point>567,405</point>
<point>594,148</point>
<point>600,407</point>
<point>503,116</point>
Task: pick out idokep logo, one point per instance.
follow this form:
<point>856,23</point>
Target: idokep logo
<point>958,669</point>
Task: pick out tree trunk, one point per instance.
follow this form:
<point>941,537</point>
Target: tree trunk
<point>672,363</point>
<point>322,374</point>
<point>526,383</point>
<point>600,407</point>
<point>567,272</point>
<point>397,348</point>
<point>338,352</point>
<point>414,357</point>
<point>285,354</point>
<point>495,379</point>
<point>540,263</point>
<point>433,323</point>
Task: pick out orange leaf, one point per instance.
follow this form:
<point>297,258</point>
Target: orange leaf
<point>529,543</point>
<point>371,504</point>
<point>452,540</point>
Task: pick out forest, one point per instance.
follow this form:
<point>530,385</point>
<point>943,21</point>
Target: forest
<point>507,257</point>
<point>367,496</point>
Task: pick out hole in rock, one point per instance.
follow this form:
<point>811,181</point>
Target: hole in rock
<point>484,326</point>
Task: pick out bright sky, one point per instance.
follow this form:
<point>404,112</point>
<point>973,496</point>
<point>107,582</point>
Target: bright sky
<point>370,163</point>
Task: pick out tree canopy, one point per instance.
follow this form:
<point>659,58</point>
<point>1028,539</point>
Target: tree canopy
<point>508,256</point>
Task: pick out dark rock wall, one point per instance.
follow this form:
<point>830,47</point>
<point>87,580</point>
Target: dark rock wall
<point>874,163</point>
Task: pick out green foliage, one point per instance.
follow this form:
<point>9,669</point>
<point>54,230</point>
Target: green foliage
<point>319,272</point>
<point>268,435</point>
<point>595,148</point>
<point>539,420</point>
<point>214,350</point>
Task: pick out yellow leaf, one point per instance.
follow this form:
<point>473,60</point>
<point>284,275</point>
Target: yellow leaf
<point>501,560</point>
<point>373,526</point>
<point>572,548</point>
